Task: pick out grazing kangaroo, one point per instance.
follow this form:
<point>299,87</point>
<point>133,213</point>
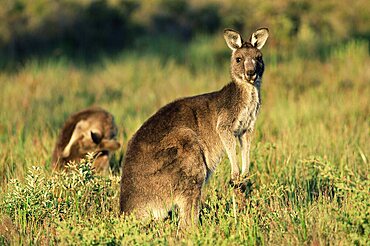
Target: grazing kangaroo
<point>174,152</point>
<point>90,130</point>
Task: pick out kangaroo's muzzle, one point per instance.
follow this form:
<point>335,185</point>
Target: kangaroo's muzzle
<point>250,70</point>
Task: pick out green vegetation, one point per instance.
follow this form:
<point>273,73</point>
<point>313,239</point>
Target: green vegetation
<point>310,181</point>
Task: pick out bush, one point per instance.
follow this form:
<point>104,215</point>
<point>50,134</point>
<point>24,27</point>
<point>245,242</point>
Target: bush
<point>41,200</point>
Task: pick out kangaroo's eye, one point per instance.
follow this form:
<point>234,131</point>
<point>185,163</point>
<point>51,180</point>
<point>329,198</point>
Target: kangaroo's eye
<point>238,59</point>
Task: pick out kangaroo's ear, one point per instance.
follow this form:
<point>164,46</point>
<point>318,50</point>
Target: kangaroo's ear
<point>96,136</point>
<point>233,39</point>
<point>259,37</point>
<point>110,144</point>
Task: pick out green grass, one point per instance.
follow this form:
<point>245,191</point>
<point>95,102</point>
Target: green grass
<point>309,173</point>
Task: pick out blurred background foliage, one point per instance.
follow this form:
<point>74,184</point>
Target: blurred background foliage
<point>89,28</point>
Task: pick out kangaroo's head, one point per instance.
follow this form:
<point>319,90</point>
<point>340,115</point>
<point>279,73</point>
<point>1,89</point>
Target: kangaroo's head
<point>246,60</point>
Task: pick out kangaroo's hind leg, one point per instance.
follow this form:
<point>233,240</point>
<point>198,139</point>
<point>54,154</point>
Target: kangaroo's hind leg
<point>192,173</point>
<point>189,209</point>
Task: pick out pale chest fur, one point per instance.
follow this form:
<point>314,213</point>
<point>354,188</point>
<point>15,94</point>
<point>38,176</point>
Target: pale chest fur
<point>247,117</point>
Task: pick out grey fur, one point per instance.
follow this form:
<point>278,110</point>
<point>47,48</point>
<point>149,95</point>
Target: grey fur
<point>173,153</point>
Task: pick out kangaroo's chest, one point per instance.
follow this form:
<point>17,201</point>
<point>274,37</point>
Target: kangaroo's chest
<point>247,117</point>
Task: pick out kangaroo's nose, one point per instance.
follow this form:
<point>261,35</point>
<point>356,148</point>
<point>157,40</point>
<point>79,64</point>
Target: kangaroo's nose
<point>250,72</point>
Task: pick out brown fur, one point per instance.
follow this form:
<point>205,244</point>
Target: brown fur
<point>98,133</point>
<point>174,152</point>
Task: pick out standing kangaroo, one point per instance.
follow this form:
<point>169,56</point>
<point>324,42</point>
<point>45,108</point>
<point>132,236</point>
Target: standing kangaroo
<point>174,152</point>
<point>90,130</point>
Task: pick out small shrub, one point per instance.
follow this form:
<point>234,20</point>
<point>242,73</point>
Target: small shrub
<point>76,192</point>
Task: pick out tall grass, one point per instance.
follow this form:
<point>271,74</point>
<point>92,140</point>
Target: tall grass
<point>309,180</point>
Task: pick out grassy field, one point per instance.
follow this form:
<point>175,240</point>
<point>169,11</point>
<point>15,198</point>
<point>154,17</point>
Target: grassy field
<point>310,181</point>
